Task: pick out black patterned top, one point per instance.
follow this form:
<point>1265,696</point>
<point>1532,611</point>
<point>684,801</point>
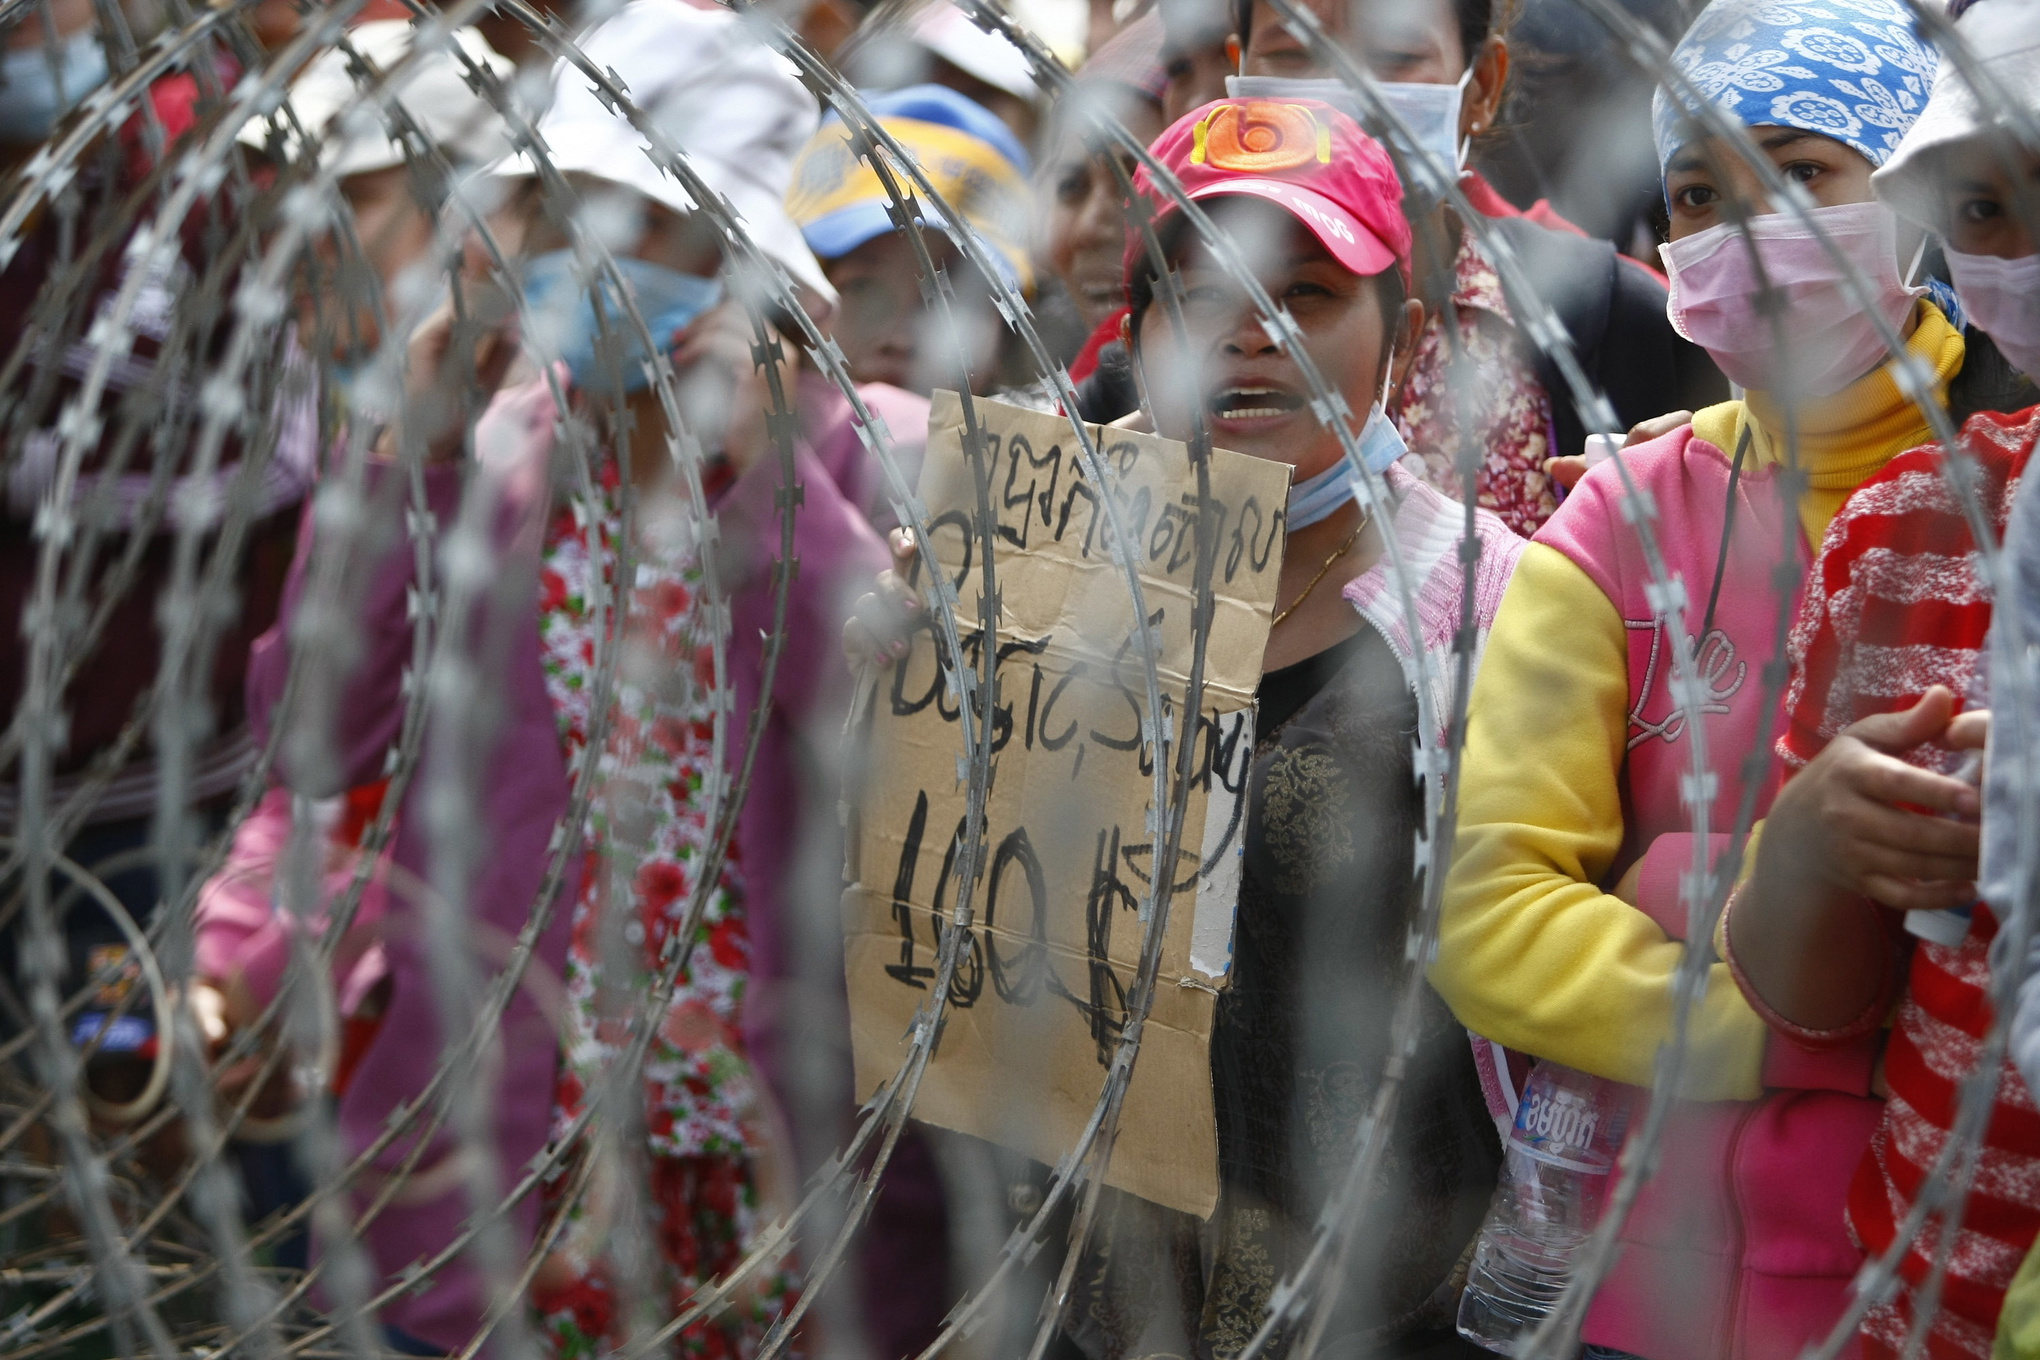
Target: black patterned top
<point>1327,895</point>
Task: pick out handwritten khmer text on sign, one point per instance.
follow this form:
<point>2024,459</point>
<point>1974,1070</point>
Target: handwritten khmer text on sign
<point>1040,1000</point>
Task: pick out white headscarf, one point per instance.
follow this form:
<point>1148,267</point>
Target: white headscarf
<point>732,105</point>
<point>2004,42</point>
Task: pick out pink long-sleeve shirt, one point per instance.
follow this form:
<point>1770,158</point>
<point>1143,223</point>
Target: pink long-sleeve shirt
<point>523,793</point>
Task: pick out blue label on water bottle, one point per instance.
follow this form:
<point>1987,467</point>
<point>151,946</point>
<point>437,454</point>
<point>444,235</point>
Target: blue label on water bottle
<point>1563,1128</point>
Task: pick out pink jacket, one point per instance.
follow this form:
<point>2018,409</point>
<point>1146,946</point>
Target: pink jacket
<point>787,834</point>
<point>523,796</point>
<point>1738,1247</point>
<point>524,791</point>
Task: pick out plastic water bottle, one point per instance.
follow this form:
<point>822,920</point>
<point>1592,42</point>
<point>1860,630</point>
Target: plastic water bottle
<point>1555,1178</point>
<point>1950,925</point>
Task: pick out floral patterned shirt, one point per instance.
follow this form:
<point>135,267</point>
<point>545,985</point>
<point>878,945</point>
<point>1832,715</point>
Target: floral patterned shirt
<point>1510,410</point>
<point>647,834</point>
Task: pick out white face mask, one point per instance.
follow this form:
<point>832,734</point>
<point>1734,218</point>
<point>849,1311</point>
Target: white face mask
<point>1430,112</point>
<point>1381,444</point>
<point>1827,340</point>
<point>2003,298</point>
<point>32,98</point>
<point>1335,92</point>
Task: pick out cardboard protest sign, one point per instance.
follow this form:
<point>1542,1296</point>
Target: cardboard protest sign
<point>1040,1001</point>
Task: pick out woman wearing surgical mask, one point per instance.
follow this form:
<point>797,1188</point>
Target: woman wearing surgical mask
<point>1880,815</point>
<point>1565,909</point>
<point>636,872</point>
<point>1443,69</point>
<point>719,1166</point>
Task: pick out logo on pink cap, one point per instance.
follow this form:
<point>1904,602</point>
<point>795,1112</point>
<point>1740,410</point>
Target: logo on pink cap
<point>1260,138</point>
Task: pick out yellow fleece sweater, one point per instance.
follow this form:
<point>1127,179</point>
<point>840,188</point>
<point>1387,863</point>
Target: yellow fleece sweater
<point>1532,953</point>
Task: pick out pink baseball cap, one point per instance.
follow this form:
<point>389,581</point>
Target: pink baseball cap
<point>1302,155</point>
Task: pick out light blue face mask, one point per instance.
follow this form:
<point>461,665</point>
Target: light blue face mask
<point>1430,112</point>
<point>32,97</point>
<point>1317,498</point>
<point>561,315</point>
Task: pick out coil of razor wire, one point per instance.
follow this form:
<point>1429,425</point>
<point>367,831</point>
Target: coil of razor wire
<point>437,695</point>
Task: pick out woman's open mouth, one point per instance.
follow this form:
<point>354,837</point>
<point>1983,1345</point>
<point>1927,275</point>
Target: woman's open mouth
<point>1252,403</point>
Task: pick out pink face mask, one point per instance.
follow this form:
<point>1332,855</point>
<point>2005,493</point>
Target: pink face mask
<point>1828,341</point>
<point>2003,299</point>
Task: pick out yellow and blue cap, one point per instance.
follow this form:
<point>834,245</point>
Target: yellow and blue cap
<point>972,158</point>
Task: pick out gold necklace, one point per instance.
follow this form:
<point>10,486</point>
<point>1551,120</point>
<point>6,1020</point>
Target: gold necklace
<point>1343,549</point>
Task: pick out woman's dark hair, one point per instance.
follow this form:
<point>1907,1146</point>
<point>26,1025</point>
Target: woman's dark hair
<point>1476,24</point>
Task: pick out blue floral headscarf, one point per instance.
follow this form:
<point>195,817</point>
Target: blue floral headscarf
<point>1853,70</point>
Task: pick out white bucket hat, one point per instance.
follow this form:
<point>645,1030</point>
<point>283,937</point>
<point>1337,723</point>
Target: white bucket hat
<point>732,105</point>
<point>2004,38</point>
<point>465,127</point>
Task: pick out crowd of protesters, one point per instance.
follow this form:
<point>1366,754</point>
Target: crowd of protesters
<point>1812,257</point>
